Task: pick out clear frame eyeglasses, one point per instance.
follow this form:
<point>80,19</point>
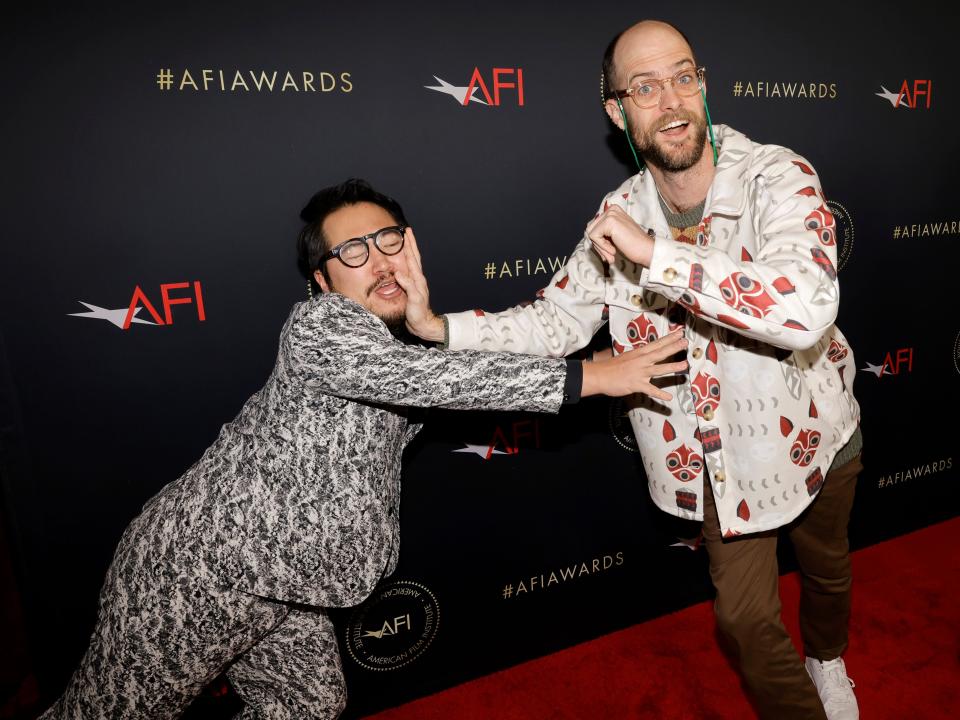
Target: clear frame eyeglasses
<point>356,251</point>
<point>646,92</point>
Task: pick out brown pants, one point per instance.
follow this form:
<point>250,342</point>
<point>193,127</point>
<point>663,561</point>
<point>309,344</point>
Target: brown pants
<point>745,574</point>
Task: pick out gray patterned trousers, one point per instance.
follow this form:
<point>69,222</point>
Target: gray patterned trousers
<point>165,630</point>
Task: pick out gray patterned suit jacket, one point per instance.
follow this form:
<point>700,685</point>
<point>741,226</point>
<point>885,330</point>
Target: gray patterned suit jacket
<point>297,499</point>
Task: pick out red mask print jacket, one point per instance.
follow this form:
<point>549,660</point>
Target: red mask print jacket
<point>768,399</point>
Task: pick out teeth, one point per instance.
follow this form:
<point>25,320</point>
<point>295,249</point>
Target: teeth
<point>674,124</point>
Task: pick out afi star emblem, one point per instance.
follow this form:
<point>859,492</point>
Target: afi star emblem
<point>909,97</point>
<point>123,318</point>
<point>460,93</point>
<point>482,450</point>
<point>893,364</point>
<point>526,432</point>
<point>388,629</point>
<point>467,95</point>
<point>117,317</point>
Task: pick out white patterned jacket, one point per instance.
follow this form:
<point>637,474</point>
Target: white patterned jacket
<point>768,400</point>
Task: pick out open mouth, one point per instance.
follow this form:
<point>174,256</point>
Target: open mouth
<point>388,289</point>
<point>676,127</point>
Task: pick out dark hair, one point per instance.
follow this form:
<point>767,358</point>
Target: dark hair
<point>311,243</point>
<point>608,68</point>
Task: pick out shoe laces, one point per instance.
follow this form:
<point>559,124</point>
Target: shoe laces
<point>838,688</point>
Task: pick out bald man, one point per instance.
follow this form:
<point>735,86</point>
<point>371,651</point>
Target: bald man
<point>733,241</point>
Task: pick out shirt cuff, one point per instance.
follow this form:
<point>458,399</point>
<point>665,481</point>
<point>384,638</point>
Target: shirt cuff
<point>573,385</point>
<point>445,345</point>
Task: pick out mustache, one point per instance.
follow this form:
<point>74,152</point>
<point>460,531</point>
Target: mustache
<point>386,280</point>
<point>670,117</point>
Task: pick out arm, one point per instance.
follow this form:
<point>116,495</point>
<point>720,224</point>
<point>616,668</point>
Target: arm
<point>336,346</point>
<point>785,296</point>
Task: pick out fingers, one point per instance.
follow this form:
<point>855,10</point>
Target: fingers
<point>655,392</point>
<point>606,252</point>
<point>414,249</point>
<point>408,286</point>
<point>416,278</point>
<point>664,347</point>
<point>669,368</point>
<point>602,243</point>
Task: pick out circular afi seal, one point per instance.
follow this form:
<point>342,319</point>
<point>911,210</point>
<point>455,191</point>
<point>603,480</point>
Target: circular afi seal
<point>844,225</point>
<point>956,353</point>
<point>620,426</point>
<point>394,626</point>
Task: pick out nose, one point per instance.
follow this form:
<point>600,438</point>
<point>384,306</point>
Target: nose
<point>669,97</point>
<point>379,262</point>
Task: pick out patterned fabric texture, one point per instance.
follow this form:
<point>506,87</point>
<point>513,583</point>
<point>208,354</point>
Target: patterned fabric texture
<point>768,399</point>
<point>294,504</point>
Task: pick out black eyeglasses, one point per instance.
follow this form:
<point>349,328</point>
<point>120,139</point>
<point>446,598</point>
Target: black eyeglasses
<point>356,251</point>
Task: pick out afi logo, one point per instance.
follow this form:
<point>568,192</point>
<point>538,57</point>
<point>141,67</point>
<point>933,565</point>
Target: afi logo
<point>526,431</point>
<point>894,363</point>
<point>500,79</point>
<point>170,294</point>
<point>920,93</point>
<point>388,629</point>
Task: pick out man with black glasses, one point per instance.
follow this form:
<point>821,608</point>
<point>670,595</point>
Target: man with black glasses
<point>733,241</point>
<point>294,507</point>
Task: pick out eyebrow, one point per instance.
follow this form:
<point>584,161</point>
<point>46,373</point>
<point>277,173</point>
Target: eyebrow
<point>677,65</point>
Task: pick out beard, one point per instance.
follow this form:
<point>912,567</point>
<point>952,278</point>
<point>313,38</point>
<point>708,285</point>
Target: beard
<point>395,320</point>
<point>396,323</point>
<point>673,159</point>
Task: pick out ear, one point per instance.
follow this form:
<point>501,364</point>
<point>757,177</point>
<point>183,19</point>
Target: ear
<point>321,281</point>
<point>613,112</point>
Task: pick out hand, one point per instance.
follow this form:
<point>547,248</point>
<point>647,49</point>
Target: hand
<point>614,230</point>
<point>631,371</point>
<point>420,319</point>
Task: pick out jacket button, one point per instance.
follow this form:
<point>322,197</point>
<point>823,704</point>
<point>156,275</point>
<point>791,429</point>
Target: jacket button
<point>669,274</point>
<point>697,353</point>
<point>708,413</point>
<point>636,300</point>
<point>719,477</point>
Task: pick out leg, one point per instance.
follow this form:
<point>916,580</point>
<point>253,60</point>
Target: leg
<point>744,572</point>
<point>162,634</point>
<point>819,538</point>
<point>294,672</point>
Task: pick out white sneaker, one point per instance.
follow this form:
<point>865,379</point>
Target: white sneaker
<point>835,688</point>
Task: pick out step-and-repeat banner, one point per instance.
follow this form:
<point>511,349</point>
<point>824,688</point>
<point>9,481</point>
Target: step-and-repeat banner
<point>154,167</point>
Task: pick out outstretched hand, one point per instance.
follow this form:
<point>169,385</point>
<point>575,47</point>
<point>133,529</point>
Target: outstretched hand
<point>631,372</point>
<point>420,319</point>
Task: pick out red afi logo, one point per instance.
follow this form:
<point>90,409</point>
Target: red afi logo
<point>521,432</point>
<point>476,80</point>
<point>499,79</point>
<point>894,363</point>
<point>123,317</point>
<point>921,92</point>
<point>139,296</point>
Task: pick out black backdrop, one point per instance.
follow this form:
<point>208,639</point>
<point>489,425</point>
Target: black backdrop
<point>113,182</point>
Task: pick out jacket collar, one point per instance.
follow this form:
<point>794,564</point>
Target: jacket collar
<point>728,192</point>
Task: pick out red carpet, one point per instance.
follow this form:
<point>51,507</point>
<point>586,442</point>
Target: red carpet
<point>904,654</point>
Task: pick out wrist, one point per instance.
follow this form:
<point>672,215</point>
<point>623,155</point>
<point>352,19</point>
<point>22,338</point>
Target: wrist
<point>591,379</point>
<point>433,330</point>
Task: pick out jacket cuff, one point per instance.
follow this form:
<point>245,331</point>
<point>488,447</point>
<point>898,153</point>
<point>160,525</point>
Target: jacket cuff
<point>573,385</point>
<point>445,345</point>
